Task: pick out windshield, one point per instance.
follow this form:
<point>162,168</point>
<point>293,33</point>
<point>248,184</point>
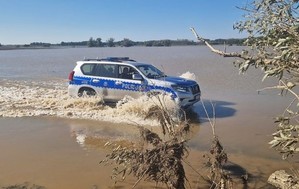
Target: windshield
<point>151,72</point>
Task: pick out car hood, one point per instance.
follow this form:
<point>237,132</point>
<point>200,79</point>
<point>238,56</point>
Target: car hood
<point>177,80</point>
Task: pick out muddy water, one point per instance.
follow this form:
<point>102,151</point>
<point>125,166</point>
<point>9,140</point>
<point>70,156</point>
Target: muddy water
<point>49,139</point>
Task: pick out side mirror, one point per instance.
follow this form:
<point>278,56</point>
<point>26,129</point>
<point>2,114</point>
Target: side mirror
<point>137,77</point>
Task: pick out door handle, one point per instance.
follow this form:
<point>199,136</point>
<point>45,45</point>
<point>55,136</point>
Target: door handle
<point>95,80</point>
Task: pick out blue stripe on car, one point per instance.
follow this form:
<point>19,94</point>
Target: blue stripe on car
<point>125,85</point>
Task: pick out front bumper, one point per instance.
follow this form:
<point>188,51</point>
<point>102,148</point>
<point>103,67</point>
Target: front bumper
<point>186,102</point>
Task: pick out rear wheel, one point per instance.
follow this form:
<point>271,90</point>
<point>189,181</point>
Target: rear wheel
<point>87,92</point>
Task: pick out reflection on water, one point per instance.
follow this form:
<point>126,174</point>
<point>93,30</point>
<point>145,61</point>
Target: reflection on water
<point>42,151</point>
<point>80,138</point>
<point>214,109</point>
<point>58,153</point>
<point>89,133</point>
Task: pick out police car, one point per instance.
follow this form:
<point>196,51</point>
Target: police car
<point>113,78</point>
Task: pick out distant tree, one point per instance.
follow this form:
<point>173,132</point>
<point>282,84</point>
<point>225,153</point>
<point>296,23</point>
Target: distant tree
<point>91,42</point>
<point>126,42</point>
<point>149,43</point>
<point>99,42</point>
<point>0,45</point>
<point>40,44</point>
<point>167,43</point>
<point>46,44</point>
<point>182,42</point>
<point>157,43</point>
<point>231,41</point>
<point>110,42</point>
<point>80,43</point>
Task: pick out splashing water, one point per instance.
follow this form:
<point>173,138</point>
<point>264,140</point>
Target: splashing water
<point>20,98</point>
<point>189,75</point>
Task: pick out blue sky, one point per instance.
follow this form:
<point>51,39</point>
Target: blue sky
<point>54,21</point>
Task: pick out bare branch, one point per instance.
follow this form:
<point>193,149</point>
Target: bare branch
<point>222,53</point>
<point>212,120</point>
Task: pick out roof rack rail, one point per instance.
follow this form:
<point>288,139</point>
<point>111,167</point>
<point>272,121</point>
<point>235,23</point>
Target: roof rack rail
<point>110,59</point>
<point>92,59</point>
<point>118,59</point>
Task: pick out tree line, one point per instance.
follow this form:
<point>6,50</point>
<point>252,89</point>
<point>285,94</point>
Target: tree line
<point>97,42</point>
<point>126,42</point>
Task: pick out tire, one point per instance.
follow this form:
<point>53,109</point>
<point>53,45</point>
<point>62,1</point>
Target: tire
<point>87,92</point>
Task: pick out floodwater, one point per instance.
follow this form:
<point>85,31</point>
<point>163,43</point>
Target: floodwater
<point>52,140</point>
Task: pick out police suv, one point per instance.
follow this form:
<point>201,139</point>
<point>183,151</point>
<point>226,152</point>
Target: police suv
<point>113,78</point>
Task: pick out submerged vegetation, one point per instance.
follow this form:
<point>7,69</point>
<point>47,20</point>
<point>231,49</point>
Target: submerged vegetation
<point>161,159</point>
<point>157,159</point>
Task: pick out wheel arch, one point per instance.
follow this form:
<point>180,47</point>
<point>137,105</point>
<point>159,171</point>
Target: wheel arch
<point>88,89</point>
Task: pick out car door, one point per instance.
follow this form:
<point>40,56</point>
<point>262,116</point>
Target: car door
<point>104,79</point>
<point>125,85</point>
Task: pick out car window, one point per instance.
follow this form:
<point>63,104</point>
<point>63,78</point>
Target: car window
<point>151,71</point>
<point>106,70</point>
<point>126,72</point>
<point>88,69</point>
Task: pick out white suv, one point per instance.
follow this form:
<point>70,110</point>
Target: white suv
<point>115,77</point>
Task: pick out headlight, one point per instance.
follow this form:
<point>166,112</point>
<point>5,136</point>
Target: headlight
<point>180,88</point>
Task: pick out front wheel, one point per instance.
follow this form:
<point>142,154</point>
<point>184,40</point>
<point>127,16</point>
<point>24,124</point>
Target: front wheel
<point>153,93</point>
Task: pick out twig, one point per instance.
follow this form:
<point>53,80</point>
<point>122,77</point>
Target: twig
<point>290,90</point>
<point>212,122</point>
<point>187,163</point>
<point>284,86</point>
<point>135,184</point>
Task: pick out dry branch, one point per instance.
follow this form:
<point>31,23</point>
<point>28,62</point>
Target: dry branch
<point>158,160</point>
<point>222,53</point>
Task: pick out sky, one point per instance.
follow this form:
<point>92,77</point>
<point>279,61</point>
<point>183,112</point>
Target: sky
<point>54,21</point>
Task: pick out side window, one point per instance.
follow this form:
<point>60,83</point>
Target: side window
<point>88,69</point>
<point>106,70</point>
<point>126,72</point>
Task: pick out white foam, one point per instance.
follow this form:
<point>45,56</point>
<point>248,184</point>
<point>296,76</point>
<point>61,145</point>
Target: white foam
<point>80,138</point>
<point>189,75</point>
<point>19,99</point>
